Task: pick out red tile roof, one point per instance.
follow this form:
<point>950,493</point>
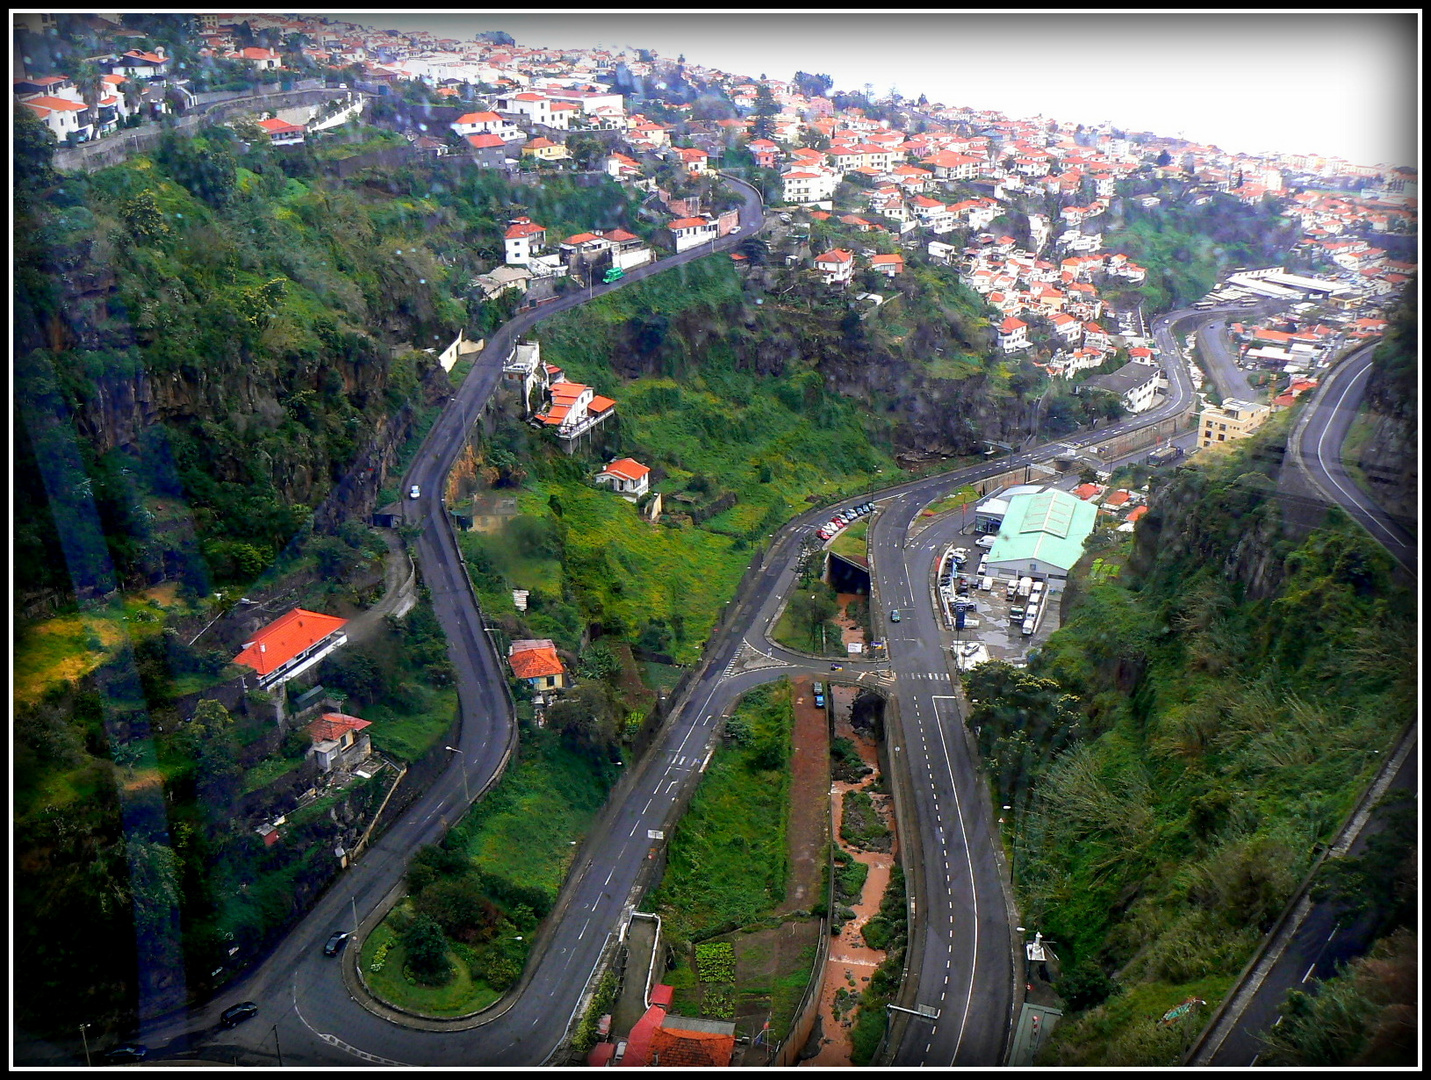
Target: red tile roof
<point>599,404</point>
<point>486,141</point>
<point>1137,512</point>
<point>626,469</point>
<point>581,238</point>
<point>286,637</point>
<point>331,726</point>
<point>536,663</point>
<point>478,118</point>
<point>619,236</point>
<point>687,223</point>
<point>672,1048</point>
<point>836,255</point>
<point>522,227</point>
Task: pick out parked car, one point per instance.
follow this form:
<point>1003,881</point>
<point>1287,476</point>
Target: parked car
<point>819,701</point>
<point>414,492</point>
<point>894,615</point>
<point>125,1054</point>
<point>961,554</point>
<point>335,943</point>
<point>237,1014</point>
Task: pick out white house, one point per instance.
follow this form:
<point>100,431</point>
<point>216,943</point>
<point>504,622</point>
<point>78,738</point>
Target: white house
<point>281,132</point>
<point>141,65</point>
<point>687,233</point>
<point>61,116</point>
<point>626,476</point>
<point>837,266</point>
<point>523,239</point>
<point>1136,385</point>
<point>1013,335</point>
<point>805,186</point>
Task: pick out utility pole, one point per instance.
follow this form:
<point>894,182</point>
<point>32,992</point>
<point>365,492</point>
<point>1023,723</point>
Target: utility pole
<point>355,915</point>
<point>88,1063</point>
<point>276,1047</point>
<point>465,791</point>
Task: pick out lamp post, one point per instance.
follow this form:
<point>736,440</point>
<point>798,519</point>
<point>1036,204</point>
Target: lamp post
<point>465,791</point>
<point>88,1063</point>
<point>276,1047</point>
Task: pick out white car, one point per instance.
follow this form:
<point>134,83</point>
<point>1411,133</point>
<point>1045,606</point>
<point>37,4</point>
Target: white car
<point>985,541</point>
<point>414,492</point>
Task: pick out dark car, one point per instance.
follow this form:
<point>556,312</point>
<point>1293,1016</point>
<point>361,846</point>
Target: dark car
<point>126,1054</point>
<point>335,943</point>
<point>237,1014</point>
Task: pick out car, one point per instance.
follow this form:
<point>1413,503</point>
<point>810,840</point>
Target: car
<point>819,688</point>
<point>125,1054</point>
<point>736,229</point>
<point>894,615</point>
<point>414,492</point>
<point>335,943</point>
<point>837,667</point>
<point>961,554</point>
<point>985,541</point>
<point>819,701</point>
<point>237,1014</point>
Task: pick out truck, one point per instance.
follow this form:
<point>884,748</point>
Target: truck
<point>1164,454</point>
<point>1025,585</point>
<point>1028,627</point>
<point>614,274</point>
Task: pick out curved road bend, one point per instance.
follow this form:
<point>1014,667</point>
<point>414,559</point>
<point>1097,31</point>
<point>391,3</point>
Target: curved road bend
<point>302,994</point>
<point>297,988</point>
<point>1316,444</point>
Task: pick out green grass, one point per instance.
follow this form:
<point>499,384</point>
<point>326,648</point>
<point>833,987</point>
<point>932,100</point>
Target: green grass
<point>460,995</point>
<point>267,771</point>
<point>852,541</point>
<point>952,501</point>
<point>727,860</point>
<point>407,735</point>
<point>1124,1030</point>
<point>661,676</point>
<point>524,829</point>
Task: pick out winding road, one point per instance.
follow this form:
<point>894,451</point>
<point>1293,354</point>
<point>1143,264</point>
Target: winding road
<point>312,1011</point>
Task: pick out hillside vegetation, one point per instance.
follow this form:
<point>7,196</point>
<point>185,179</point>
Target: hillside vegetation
<point>1188,739</point>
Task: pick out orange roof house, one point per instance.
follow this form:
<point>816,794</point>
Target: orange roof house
<point>536,661</point>
<point>627,476</point>
<point>291,644</point>
<point>338,735</point>
<point>663,1040</point>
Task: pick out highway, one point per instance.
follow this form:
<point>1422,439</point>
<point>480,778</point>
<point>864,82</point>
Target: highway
<point>310,1006</point>
<point>1316,445</point>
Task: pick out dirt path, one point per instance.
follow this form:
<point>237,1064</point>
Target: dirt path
<point>809,768</point>
<point>851,961</point>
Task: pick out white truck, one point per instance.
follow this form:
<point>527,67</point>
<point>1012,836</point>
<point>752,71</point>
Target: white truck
<point>1025,586</point>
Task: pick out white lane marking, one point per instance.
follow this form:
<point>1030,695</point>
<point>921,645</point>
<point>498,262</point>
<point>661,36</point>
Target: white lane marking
<point>1309,972</point>
<point>333,1040</point>
<point>973,894</point>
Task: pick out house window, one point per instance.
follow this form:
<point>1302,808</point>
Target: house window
<point>1222,438</point>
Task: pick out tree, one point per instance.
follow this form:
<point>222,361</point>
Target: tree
<point>1164,159</point>
<point>812,85</point>
<point>427,951</point>
<point>586,718</point>
<point>765,108</point>
<point>811,611</point>
<point>34,148</point>
<point>89,82</point>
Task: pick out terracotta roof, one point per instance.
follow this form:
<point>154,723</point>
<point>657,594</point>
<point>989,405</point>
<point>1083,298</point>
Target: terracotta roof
<point>1137,512</point>
<point>536,663</point>
<point>286,637</point>
<point>581,238</point>
<point>887,260</point>
<point>276,126</point>
<point>540,143</point>
<point>1118,498</point>
<point>478,118</point>
<point>671,1048</point>
<point>688,223</point>
<point>485,141</point>
<point>258,54</point>
<point>599,403</point>
<point>619,236</point>
<point>153,58</point>
<point>331,726</point>
<point>836,255</point>
<point>1008,326</point>
<point>522,228</point>
<point>626,469</point>
<point>56,104</point>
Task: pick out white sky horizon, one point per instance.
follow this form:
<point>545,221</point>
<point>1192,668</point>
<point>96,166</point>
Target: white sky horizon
<point>1339,85</point>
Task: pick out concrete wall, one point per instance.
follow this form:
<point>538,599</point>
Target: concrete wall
<point>114,149</point>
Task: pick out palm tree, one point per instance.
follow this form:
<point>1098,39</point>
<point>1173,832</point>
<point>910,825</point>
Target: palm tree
<point>89,82</point>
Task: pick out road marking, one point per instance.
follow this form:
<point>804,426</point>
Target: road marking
<point>1309,972</point>
<point>333,1040</point>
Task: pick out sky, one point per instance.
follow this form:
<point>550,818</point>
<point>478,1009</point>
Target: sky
<point>1340,84</point>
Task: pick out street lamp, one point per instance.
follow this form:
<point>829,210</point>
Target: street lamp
<point>465,791</point>
<point>86,1045</point>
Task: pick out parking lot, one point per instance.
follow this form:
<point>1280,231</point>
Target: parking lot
<point>998,634</point>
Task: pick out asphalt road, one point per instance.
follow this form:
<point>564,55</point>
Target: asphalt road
<point>307,1013</point>
<point>1320,942</point>
<point>1316,447</point>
